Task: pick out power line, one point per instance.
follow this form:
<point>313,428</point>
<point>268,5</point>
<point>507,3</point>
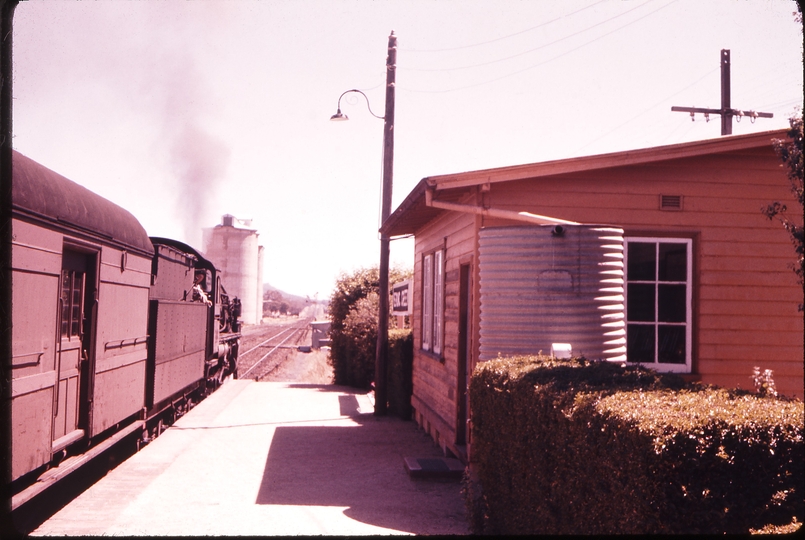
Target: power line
<point>652,107</point>
<point>772,90</point>
<point>540,63</point>
<point>784,104</point>
<point>689,126</point>
<point>534,49</point>
<point>505,37</point>
<point>686,127</point>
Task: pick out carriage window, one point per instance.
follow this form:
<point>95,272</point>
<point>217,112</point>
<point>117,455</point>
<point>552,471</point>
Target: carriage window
<point>72,297</point>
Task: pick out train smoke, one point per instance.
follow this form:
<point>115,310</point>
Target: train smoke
<point>150,87</point>
<point>199,163</point>
<point>182,97</point>
<point>198,160</point>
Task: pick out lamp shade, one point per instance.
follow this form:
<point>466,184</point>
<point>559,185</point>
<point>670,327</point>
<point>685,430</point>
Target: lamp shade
<point>338,117</point>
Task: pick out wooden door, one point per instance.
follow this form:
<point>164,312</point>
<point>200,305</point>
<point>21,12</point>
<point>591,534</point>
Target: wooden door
<point>75,315</point>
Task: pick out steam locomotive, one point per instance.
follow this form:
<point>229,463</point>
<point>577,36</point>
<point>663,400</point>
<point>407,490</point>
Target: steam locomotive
<point>113,331</point>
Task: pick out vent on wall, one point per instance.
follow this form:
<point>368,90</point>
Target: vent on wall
<point>670,202</point>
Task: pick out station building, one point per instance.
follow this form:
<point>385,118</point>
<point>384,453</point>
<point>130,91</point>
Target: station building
<point>658,256</point>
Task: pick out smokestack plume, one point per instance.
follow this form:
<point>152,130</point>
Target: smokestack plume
<point>199,161</point>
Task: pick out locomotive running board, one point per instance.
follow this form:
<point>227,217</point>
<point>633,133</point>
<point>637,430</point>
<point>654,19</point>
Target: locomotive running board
<point>70,465</point>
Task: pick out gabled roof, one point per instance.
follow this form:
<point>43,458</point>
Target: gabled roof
<point>413,212</point>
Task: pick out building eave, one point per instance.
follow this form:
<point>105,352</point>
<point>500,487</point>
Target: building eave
<point>413,212</point>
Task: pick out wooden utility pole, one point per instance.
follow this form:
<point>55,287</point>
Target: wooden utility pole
<point>381,351</point>
<point>725,111</point>
<point>381,357</point>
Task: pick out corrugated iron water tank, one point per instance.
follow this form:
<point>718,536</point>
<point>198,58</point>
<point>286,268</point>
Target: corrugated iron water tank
<point>546,284</point>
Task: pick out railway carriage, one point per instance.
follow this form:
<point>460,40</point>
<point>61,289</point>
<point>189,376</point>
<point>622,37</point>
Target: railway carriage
<point>81,271</point>
<point>109,326</point>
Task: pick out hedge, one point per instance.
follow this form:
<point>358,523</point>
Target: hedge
<point>353,334</point>
<point>399,373</point>
<point>578,447</point>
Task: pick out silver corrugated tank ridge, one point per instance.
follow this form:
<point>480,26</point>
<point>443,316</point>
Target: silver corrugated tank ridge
<point>542,285</point>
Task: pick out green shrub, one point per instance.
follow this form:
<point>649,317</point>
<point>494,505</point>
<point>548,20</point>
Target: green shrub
<point>353,330</point>
<point>574,447</point>
<point>349,290</point>
<point>360,334</point>
<point>399,378</point>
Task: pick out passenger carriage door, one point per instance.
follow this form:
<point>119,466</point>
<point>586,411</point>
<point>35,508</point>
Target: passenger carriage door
<point>76,310</point>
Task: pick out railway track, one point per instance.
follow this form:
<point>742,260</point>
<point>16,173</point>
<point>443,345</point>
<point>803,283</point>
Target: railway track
<point>265,348</point>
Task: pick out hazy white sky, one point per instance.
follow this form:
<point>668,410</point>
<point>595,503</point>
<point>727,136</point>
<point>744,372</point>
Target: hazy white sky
<point>181,111</point>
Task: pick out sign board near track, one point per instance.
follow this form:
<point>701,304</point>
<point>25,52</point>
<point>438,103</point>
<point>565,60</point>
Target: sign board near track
<point>401,298</point>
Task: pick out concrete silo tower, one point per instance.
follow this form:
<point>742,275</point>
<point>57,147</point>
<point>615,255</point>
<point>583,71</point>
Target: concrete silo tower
<point>233,247</point>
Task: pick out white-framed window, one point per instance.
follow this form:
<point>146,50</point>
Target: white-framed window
<point>433,301</point>
<point>658,302</point>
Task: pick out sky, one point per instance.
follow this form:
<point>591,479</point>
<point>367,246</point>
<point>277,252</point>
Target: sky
<point>181,112</point>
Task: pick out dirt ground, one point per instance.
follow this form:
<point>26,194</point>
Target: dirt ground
<point>303,367</point>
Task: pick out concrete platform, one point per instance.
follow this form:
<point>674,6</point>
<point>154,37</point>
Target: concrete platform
<point>263,459</point>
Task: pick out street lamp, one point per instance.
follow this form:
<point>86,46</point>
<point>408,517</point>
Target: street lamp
<point>340,117</point>
<point>381,353</point>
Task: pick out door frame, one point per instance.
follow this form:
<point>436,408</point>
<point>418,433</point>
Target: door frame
<point>90,257</point>
<point>463,354</point>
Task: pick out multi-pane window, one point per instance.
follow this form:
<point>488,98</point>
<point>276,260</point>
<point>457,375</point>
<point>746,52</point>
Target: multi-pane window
<point>658,303</point>
<point>72,297</point>
<point>433,301</point>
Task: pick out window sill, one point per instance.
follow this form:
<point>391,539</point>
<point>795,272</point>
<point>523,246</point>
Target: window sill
<point>434,356</point>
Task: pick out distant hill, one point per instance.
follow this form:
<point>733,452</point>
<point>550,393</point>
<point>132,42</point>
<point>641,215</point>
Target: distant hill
<point>296,298</point>
<point>274,300</point>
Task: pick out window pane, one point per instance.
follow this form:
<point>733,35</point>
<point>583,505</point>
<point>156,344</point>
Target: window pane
<point>671,344</point>
<point>65,283</point>
<point>427,301</point>
<point>65,319</point>
<point>641,257</point>
<point>438,294</point>
<point>672,302</point>
<point>673,262</point>
<point>66,287</point>
<point>640,343</point>
<point>640,302</point>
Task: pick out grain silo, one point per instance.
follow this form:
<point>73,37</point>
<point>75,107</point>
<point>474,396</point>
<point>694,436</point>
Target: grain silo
<point>233,247</point>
